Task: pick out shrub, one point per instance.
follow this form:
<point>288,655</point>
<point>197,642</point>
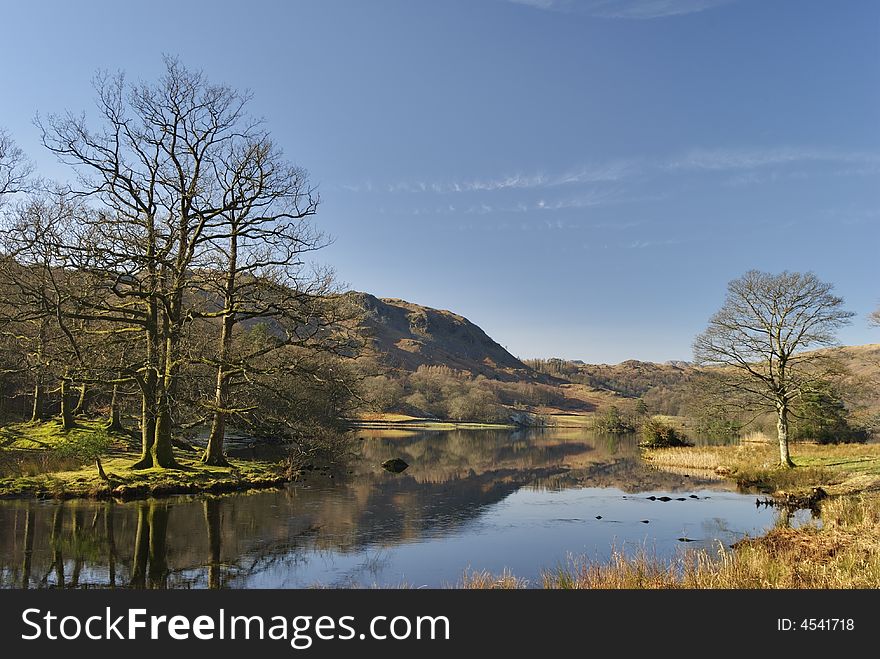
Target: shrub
<point>613,421</point>
<point>659,434</point>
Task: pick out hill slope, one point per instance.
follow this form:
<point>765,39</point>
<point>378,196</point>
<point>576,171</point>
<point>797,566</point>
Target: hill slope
<point>406,335</point>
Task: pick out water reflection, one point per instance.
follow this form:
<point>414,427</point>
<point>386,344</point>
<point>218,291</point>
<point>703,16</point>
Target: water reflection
<point>481,499</point>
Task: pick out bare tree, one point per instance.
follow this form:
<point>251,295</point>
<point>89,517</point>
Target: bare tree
<point>762,338</point>
<point>258,274</point>
<point>15,169</point>
<point>162,165</point>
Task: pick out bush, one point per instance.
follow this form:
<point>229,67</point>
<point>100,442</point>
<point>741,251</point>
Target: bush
<point>659,434</point>
<point>613,421</point>
<point>823,418</point>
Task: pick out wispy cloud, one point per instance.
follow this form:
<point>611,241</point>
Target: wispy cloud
<point>731,159</point>
<point>624,180</point>
<point>625,9</point>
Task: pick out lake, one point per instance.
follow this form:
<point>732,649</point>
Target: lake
<point>523,500</point>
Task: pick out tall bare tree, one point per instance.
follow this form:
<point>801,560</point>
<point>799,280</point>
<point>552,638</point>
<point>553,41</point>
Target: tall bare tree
<point>166,167</point>
<point>763,340</point>
<point>258,273</point>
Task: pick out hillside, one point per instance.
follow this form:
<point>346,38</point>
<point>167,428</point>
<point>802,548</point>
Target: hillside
<point>406,335</point>
<point>438,364</point>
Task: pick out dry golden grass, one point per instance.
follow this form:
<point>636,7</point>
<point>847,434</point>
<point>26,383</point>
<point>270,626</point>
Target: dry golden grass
<point>484,580</point>
<point>756,437</point>
<point>838,468</point>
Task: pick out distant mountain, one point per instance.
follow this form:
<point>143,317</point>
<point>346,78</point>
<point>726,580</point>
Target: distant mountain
<point>406,336</point>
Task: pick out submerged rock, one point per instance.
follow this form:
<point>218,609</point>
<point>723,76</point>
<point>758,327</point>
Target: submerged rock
<point>395,465</point>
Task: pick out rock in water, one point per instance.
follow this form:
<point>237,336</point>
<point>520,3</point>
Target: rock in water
<point>395,465</point>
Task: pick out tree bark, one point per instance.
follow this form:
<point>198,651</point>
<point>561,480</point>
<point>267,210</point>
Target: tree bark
<point>214,450</point>
<point>162,450</point>
<point>39,400</point>
<point>81,401</point>
<point>66,413</point>
<point>782,432</point>
<point>115,423</point>
<point>163,455</point>
<point>149,385</point>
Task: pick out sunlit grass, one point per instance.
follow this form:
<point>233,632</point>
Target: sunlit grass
<point>34,463</point>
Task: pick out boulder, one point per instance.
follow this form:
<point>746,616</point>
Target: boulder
<point>395,465</point>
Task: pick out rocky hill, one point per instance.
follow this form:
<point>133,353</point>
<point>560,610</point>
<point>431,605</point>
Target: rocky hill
<point>405,336</point>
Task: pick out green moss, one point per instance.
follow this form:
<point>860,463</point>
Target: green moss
<point>119,452</point>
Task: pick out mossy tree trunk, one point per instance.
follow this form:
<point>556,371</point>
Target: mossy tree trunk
<point>214,449</point>
<point>81,400</point>
<point>149,385</point>
<point>39,399</point>
<point>66,413</point>
<point>115,422</point>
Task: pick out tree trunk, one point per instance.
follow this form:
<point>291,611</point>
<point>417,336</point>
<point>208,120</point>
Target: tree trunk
<point>100,467</point>
<point>66,414</point>
<point>163,451</point>
<point>115,424</point>
<point>782,432</point>
<point>39,400</point>
<point>214,450</point>
<point>81,401</point>
<point>149,386</point>
<point>163,455</point>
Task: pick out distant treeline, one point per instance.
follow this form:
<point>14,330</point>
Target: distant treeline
<point>446,393</point>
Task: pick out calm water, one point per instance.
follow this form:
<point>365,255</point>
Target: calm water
<point>522,500</point>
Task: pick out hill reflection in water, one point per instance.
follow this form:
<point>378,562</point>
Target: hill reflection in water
<point>481,499</point>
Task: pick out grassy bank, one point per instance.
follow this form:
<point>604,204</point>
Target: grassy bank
<point>41,460</point>
<point>840,469</point>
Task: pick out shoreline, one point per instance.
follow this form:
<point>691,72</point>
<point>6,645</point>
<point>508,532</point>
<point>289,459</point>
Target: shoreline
<point>37,451</point>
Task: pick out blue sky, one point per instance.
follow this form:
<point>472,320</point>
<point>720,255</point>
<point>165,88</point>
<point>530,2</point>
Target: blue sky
<point>579,177</point>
